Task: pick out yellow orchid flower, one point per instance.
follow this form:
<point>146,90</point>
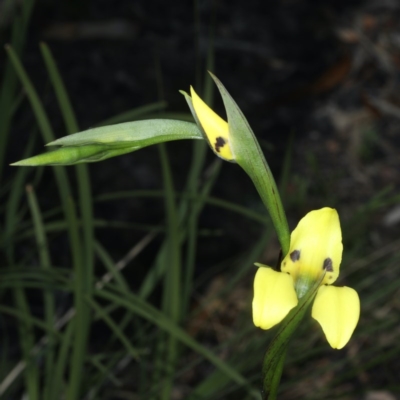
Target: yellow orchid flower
<point>314,256</point>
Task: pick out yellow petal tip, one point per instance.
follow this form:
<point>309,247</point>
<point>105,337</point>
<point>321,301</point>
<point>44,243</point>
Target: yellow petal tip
<point>215,128</point>
<point>337,309</point>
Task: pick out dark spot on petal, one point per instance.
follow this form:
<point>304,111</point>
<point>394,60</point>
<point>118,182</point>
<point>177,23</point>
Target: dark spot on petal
<point>295,255</point>
<point>284,263</point>
<point>327,265</point>
<point>220,142</point>
<point>330,278</point>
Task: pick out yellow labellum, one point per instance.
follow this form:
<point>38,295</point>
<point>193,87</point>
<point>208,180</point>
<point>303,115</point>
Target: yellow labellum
<point>274,297</point>
<point>216,129</point>
<point>337,309</point>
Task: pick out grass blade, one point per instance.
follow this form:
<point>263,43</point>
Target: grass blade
<point>81,307</point>
<point>56,391</point>
<point>115,329</point>
<point>145,310</point>
<point>172,288</point>
<point>9,82</point>
<point>45,262</point>
<point>82,176</point>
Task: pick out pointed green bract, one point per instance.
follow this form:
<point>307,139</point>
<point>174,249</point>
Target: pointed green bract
<point>137,133</point>
<point>250,157</point>
<point>98,144</point>
<point>74,155</point>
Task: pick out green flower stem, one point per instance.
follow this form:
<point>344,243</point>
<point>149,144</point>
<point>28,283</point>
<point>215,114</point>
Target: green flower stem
<point>277,374</point>
<point>275,356</point>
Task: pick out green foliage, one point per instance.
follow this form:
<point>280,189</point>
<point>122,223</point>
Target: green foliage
<point>98,144</point>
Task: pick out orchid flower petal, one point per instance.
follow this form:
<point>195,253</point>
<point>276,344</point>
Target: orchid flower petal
<point>274,297</point>
<point>315,250</point>
<point>215,128</point>
<point>337,309</point>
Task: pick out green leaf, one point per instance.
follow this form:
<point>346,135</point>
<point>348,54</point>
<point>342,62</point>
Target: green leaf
<point>109,141</point>
<point>135,134</point>
<point>73,155</point>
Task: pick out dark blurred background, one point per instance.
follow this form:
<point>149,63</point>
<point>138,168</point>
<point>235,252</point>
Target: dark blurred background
<point>324,72</point>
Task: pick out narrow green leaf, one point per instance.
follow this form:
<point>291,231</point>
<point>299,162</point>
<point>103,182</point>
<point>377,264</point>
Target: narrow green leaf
<point>81,310</point>
<point>60,174</point>
<point>172,286</point>
<point>57,387</point>
<point>98,144</point>
<point>26,339</point>
<point>114,327</point>
<point>105,258</point>
<point>9,83</point>
<point>82,176</point>
<point>73,155</point>
<point>12,219</point>
<point>26,318</point>
<point>45,262</point>
<point>61,93</point>
<point>192,225</point>
<point>133,134</point>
